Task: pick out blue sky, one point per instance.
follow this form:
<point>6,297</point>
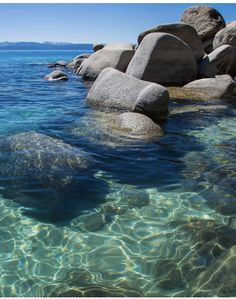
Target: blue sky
<point>90,23</point>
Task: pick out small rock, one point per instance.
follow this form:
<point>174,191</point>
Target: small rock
<point>60,63</point>
<point>136,125</point>
<point>56,76</point>
<point>91,222</point>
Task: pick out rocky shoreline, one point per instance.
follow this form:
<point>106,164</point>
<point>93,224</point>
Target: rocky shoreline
<point>192,59</point>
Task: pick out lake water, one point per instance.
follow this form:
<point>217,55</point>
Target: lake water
<point>147,218</point>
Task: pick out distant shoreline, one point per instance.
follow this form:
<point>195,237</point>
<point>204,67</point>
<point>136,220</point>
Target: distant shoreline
<point>22,50</point>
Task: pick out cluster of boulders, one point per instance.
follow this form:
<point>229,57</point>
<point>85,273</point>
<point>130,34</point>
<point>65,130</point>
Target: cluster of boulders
<point>196,56</point>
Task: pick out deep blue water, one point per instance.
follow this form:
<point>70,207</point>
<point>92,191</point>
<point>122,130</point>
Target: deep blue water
<point>143,218</point>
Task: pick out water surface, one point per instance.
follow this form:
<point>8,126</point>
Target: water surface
<point>149,218</point>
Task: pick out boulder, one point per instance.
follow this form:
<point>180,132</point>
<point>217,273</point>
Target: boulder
<point>226,36</point>
<point>110,56</point>
<point>60,63</point>
<point>116,90</point>
<point>82,56</point>
<point>124,46</point>
<point>98,47</point>
<point>218,62</point>
<point>206,20</point>
<point>208,45</point>
<point>231,24</point>
<point>136,125</point>
<point>222,86</point>
<point>165,59</point>
<point>184,32</point>
<point>76,62</point>
<point>57,75</point>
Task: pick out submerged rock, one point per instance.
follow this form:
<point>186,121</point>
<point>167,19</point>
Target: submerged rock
<point>115,90</point>
<point>219,278</point>
<point>116,56</point>
<point>184,32</point>
<point>56,76</point>
<point>165,59</point>
<point>48,176</point>
<point>60,63</point>
<point>41,157</point>
<point>92,222</point>
<point>136,125</point>
<point>206,20</point>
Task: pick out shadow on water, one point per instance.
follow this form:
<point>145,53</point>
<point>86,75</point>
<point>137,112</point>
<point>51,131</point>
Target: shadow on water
<point>54,204</point>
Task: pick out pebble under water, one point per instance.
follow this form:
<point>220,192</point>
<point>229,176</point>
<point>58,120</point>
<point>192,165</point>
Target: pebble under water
<point>105,215</point>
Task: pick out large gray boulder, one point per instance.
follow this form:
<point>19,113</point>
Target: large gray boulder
<point>124,46</point>
<point>57,75</point>
<point>184,32</point>
<point>206,20</point>
<point>115,56</point>
<point>165,59</point>
<point>218,62</point>
<point>222,86</point>
<point>227,36</point>
<point>116,90</point>
<point>136,125</point>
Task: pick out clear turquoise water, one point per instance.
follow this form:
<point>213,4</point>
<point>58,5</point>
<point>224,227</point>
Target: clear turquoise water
<point>151,218</point>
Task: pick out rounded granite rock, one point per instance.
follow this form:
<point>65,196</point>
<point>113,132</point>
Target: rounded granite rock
<point>218,62</point>
<point>60,63</point>
<point>110,56</point>
<point>136,125</point>
<point>57,75</point>
<point>115,90</point>
<point>184,32</point>
<point>206,20</point>
<point>164,59</point>
<point>220,87</point>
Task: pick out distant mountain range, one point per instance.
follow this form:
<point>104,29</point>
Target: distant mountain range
<point>43,46</point>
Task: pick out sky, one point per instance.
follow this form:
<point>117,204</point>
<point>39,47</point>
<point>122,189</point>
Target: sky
<point>91,23</point>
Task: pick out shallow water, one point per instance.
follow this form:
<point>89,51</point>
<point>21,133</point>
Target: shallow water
<point>145,219</point>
